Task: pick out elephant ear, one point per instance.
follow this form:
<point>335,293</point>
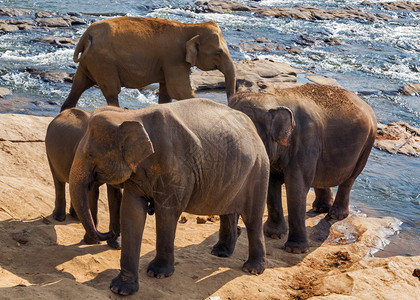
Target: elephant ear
<point>280,124</point>
<point>191,48</point>
<point>135,143</point>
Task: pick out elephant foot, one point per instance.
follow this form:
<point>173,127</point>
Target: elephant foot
<point>60,216</point>
<point>115,243</point>
<point>124,286</point>
<point>296,247</point>
<point>254,267</point>
<point>159,270</point>
<point>226,249</point>
<point>274,230</point>
<point>73,213</point>
<point>89,240</point>
<point>221,250</point>
<point>337,213</point>
<point>321,206</point>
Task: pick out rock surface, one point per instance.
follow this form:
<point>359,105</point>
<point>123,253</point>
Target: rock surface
<point>338,264</point>
<point>398,137</point>
<point>301,12</point>
<point>255,75</point>
<point>396,5</point>
<point>411,89</point>
<point>4,92</point>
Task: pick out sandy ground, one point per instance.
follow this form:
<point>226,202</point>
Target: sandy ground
<point>41,258</point>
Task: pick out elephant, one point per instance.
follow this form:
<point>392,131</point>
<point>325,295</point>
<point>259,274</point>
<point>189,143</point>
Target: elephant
<point>134,52</point>
<point>194,155</point>
<point>316,136</point>
<point>63,136</point>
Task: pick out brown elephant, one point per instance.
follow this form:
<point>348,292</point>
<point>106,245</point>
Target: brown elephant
<point>315,135</point>
<point>63,136</point>
<point>211,161</point>
<point>133,52</point>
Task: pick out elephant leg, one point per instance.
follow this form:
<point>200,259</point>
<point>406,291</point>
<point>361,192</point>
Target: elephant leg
<point>275,226</point>
<point>228,234</point>
<point>297,187</point>
<point>93,196</point>
<point>252,217</point>
<point>340,207</point>
<point>178,83</point>
<point>163,263</point>
<point>256,253</point>
<point>80,84</point>
<point>323,200</point>
<point>163,93</point>
<point>59,212</point>
<point>134,212</point>
<point>114,203</point>
<point>110,85</point>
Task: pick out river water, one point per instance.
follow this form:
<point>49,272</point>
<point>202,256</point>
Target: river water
<point>374,60</point>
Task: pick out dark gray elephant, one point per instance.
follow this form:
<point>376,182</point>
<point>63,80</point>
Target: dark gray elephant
<point>194,155</point>
<point>133,52</point>
<point>315,135</point>
<point>63,136</point>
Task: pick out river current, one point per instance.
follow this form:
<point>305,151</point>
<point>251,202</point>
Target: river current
<point>375,59</point>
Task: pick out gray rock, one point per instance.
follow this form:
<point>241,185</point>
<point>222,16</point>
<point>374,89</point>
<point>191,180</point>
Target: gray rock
<point>4,92</point>
<point>411,89</point>
<point>43,14</point>
<point>11,12</point>
<point>53,22</point>
<point>322,80</point>
<point>301,12</point>
<point>398,137</point>
<point>256,75</point>
<point>6,28</point>
<point>57,41</point>
<point>57,77</point>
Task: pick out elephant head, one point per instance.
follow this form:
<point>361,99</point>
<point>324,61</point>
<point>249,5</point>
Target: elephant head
<point>108,153</point>
<point>209,51</point>
<point>274,125</point>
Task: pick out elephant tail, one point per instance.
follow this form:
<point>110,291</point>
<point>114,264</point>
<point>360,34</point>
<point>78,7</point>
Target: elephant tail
<point>82,47</point>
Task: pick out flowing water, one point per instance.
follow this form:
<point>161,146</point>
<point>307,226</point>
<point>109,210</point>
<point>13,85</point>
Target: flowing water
<point>375,59</point>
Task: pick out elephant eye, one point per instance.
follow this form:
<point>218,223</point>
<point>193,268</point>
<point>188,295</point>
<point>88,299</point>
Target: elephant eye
<point>219,52</point>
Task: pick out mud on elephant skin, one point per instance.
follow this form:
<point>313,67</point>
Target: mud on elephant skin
<point>211,161</point>
<point>315,136</point>
<point>64,134</point>
<point>134,52</point>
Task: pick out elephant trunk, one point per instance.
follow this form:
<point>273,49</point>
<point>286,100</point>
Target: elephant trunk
<point>79,180</point>
<point>228,70</point>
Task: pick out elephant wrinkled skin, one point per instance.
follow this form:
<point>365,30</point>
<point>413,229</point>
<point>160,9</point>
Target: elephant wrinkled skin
<point>133,52</point>
<point>194,155</point>
<point>315,135</point>
<point>63,136</point>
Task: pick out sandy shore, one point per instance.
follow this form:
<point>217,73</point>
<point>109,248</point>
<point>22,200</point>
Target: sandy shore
<point>41,258</point>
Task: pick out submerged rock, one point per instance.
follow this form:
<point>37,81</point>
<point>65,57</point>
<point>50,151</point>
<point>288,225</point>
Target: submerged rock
<point>398,137</point>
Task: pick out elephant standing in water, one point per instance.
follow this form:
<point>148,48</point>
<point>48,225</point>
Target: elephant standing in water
<point>315,135</point>
<point>194,155</point>
<point>133,52</point>
<point>63,136</point>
